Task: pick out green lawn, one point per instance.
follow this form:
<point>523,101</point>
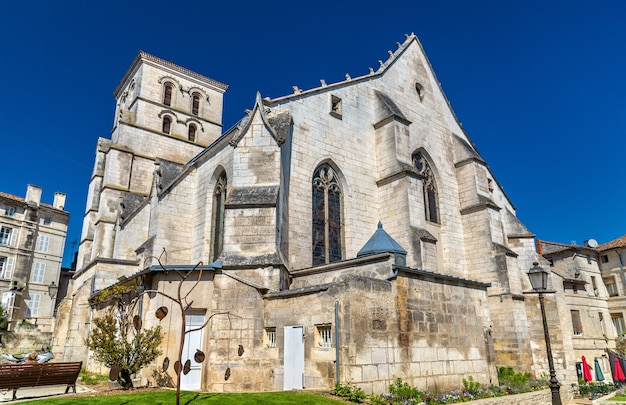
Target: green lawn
<point>618,397</point>
<point>162,397</point>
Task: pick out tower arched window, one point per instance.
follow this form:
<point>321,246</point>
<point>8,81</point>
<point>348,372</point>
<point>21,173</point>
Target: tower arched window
<point>167,125</point>
<point>167,93</point>
<point>191,135</point>
<point>326,230</point>
<point>219,199</point>
<point>431,198</point>
<point>195,103</point>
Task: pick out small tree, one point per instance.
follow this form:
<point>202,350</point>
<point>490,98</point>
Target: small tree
<point>4,319</point>
<point>121,344</point>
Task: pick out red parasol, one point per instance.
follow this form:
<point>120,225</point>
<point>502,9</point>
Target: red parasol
<point>587,370</point>
<point>618,373</point>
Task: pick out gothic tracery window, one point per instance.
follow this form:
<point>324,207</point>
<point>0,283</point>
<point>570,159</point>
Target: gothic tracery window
<point>219,198</point>
<point>326,230</point>
<point>431,205</point>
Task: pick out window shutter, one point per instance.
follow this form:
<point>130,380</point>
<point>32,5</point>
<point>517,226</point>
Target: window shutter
<point>33,304</point>
<point>39,272</point>
<point>576,324</point>
<point>8,268</point>
<point>13,237</point>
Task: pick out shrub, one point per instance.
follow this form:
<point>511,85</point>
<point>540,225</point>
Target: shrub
<point>113,344</point>
<point>471,386</point>
<point>349,392</point>
<point>402,391</point>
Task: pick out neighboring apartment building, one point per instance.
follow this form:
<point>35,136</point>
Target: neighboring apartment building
<point>352,231</point>
<point>585,303</point>
<point>612,262</point>
<point>32,239</point>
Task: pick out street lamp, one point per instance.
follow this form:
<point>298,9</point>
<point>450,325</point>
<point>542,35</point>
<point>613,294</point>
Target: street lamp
<point>52,290</point>
<point>539,281</point>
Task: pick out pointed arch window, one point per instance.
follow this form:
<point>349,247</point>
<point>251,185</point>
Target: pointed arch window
<point>219,199</point>
<point>431,199</point>
<point>167,125</point>
<point>326,230</point>
<point>192,133</point>
<point>195,103</point>
<point>167,94</point>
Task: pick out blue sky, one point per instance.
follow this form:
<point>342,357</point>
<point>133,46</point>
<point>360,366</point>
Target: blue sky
<point>538,86</point>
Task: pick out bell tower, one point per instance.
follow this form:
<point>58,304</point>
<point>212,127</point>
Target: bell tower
<point>165,115</point>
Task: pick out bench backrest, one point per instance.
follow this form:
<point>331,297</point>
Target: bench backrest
<point>31,375</point>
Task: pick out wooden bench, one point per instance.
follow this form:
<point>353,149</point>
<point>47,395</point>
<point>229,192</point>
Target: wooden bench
<point>14,376</point>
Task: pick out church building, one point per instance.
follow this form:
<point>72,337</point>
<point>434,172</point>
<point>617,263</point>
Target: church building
<point>347,233</point>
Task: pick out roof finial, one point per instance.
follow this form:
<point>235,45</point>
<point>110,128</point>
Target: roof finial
<point>296,90</point>
<point>390,53</point>
<point>398,44</point>
<point>380,225</point>
<point>348,76</point>
<point>323,82</point>
<point>371,70</point>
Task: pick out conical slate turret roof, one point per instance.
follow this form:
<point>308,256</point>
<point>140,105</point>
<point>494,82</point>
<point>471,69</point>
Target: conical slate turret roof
<point>380,242</point>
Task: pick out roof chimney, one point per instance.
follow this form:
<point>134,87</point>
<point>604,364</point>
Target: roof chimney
<point>59,201</point>
<point>33,194</point>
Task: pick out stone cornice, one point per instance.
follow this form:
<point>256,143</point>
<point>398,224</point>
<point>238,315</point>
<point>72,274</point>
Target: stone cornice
<point>341,265</point>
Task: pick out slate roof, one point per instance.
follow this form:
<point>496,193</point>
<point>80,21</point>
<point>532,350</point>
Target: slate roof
<point>380,242</point>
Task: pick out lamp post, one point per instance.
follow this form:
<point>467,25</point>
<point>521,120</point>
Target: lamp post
<point>539,281</point>
<point>52,290</point>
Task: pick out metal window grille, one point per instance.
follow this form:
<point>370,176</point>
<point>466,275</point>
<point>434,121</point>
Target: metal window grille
<point>325,337</point>
<point>271,337</point>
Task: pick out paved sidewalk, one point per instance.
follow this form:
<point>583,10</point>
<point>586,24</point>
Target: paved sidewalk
<point>31,393</point>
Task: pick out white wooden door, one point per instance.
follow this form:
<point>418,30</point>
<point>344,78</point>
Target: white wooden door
<point>193,341</point>
<point>294,358</point>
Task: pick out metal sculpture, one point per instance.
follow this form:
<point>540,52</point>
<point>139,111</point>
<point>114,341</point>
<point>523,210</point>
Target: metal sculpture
<point>181,300</point>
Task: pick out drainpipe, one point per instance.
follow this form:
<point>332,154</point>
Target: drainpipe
<point>337,361</point>
<point>621,266</point>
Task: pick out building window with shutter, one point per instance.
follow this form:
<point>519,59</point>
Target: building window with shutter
<point>618,322</point>
<point>576,324</point>
<point>39,271</point>
<point>167,93</point>
<point>611,286</point>
<point>8,236</point>
<point>326,206</point>
<point>195,103</point>
<point>44,243</point>
<point>192,133</point>
<point>33,304</point>
<point>6,267</point>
